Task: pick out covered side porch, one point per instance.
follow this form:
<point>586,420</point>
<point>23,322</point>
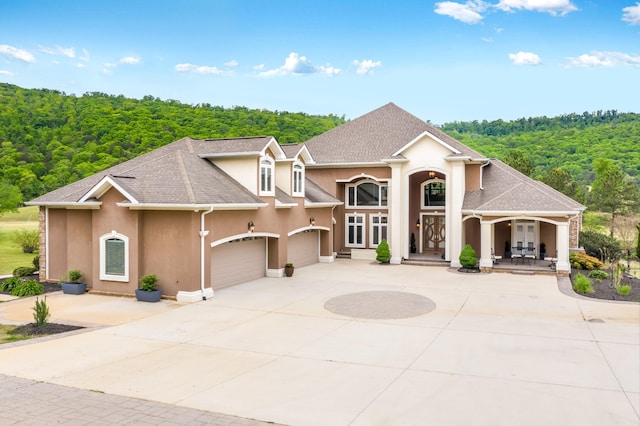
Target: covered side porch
<point>521,242</point>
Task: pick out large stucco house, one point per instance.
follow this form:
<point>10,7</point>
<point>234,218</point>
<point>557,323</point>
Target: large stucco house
<point>206,214</point>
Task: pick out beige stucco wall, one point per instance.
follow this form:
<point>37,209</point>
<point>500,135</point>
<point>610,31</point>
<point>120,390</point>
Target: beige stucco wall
<point>244,170</point>
<point>472,177</point>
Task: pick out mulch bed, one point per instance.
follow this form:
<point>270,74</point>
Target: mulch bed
<point>50,328</point>
<point>606,290</point>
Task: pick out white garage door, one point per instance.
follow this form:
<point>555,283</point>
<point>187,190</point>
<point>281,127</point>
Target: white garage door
<point>238,262</point>
<point>303,248</point>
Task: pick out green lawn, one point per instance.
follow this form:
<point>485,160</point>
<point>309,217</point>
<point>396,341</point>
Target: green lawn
<point>11,255</point>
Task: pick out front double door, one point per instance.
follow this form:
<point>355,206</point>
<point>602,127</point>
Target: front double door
<point>433,234</point>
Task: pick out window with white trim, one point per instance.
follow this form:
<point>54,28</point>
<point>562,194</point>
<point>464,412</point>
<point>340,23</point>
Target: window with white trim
<point>377,229</point>
<point>114,257</point>
<point>298,179</point>
<point>354,235</point>
<point>434,193</point>
<point>266,176</point>
<point>367,194</point>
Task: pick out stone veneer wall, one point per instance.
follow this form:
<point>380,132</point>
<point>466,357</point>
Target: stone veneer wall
<point>575,225</point>
<point>42,251</point>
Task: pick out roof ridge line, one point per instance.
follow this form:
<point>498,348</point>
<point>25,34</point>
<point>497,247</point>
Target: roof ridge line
<point>185,177</point>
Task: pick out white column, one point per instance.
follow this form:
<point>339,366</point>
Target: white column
<point>562,244</point>
<point>485,244</point>
<point>395,214</point>
<point>455,197</point>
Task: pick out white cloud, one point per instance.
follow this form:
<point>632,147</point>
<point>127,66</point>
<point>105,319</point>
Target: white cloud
<point>366,66</point>
<point>525,58</point>
<point>604,59</point>
<point>69,52</point>
<point>129,60</point>
<point>85,55</point>
<point>198,69</point>
<point>5,72</point>
<point>15,53</point>
<point>552,7</point>
<point>80,65</point>
<point>632,14</point>
<point>469,12</point>
<point>296,64</point>
<point>232,63</point>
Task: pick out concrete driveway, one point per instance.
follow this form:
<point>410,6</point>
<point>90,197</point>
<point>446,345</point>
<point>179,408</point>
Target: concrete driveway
<point>496,349</point>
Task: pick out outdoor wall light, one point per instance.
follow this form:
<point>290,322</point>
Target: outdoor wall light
<point>432,174</point>
<point>250,226</point>
<point>418,223</point>
<point>312,221</point>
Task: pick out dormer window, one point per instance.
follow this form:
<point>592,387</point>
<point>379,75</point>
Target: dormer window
<point>266,176</point>
<point>298,179</point>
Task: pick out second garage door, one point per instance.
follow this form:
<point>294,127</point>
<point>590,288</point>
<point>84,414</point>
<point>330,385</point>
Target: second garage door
<point>303,248</point>
<point>238,262</point>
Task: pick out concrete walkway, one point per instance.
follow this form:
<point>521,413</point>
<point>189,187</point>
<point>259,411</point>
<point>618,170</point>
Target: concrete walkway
<point>498,349</point>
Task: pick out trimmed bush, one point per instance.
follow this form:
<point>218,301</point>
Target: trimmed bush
<point>36,262</point>
<point>582,284</point>
<point>28,288</point>
<point>623,290</point>
<point>41,312</point>
<point>149,282</point>
<point>73,276</point>
<point>382,251</point>
<point>24,271</point>
<point>468,257</point>
<point>580,260</point>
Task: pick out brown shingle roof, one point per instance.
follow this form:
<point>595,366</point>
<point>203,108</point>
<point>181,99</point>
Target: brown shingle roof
<point>507,190</point>
<point>374,137</point>
<point>173,174</point>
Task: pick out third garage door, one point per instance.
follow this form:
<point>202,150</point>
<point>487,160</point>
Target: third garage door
<point>238,262</point>
<point>303,248</point>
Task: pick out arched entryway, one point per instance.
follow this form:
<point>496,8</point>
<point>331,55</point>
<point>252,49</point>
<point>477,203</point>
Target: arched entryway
<point>427,210</point>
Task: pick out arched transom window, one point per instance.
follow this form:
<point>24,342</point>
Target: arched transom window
<point>433,193</point>
<point>366,194</point>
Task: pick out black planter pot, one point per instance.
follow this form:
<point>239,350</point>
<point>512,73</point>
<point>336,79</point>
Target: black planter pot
<point>148,296</point>
<point>74,288</point>
<point>288,270</point>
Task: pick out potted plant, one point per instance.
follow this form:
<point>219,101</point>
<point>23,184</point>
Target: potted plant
<point>149,291</point>
<point>288,269</point>
<point>71,283</point>
<point>543,251</point>
<point>413,243</point>
<point>382,251</point>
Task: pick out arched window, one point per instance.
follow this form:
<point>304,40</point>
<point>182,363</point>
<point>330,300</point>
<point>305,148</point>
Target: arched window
<point>433,193</point>
<point>366,194</point>
<point>266,176</point>
<point>298,179</point>
<point>114,257</point>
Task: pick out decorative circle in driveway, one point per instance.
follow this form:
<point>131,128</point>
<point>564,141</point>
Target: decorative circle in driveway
<point>380,305</point>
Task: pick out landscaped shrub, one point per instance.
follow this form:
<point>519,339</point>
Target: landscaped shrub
<point>29,240</point>
<point>468,257</point>
<point>10,283</point>
<point>28,288</point>
<point>580,260</point>
<point>598,275</point>
<point>601,245</point>
<point>36,262</point>
<point>149,282</point>
<point>24,271</point>
<point>582,284</point>
<point>623,290</point>
<point>382,252</point>
<point>41,312</point>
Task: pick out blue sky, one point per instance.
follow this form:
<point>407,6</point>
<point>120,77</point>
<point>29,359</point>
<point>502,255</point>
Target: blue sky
<point>442,61</point>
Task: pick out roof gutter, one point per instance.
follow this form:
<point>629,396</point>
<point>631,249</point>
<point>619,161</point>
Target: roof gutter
<point>203,233</point>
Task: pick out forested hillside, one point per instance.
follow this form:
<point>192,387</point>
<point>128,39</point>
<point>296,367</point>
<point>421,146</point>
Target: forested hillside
<point>49,139</point>
<point>571,142</point>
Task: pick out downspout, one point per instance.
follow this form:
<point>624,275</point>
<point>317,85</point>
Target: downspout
<point>203,233</point>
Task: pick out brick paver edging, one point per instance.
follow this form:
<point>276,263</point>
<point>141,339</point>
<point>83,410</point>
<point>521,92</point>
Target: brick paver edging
<point>27,402</point>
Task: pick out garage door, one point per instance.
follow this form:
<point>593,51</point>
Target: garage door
<point>303,248</point>
<point>237,262</point>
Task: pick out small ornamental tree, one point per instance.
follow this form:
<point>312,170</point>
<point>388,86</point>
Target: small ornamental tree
<point>638,243</point>
<point>468,257</point>
<point>383,253</point>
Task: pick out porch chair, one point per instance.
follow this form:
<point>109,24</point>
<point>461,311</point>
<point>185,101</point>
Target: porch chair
<point>530,253</point>
<point>518,252</point>
<point>494,258</point>
<point>553,260</point>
